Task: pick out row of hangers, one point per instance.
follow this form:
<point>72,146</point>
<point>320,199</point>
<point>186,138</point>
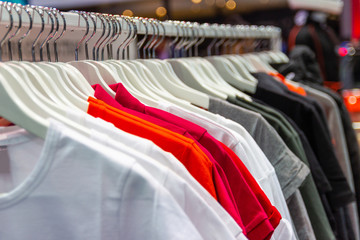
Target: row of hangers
<point>32,92</point>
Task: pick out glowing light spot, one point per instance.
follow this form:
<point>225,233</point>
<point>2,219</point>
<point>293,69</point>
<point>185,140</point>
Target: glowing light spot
<point>231,5</point>
<point>128,12</point>
<point>161,11</point>
<point>342,51</point>
<point>352,100</point>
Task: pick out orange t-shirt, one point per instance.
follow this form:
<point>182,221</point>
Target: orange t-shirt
<point>183,148</point>
<point>291,87</point>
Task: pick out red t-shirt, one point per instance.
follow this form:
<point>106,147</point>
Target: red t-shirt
<point>222,188</point>
<point>242,193</point>
<point>271,211</point>
<point>184,149</point>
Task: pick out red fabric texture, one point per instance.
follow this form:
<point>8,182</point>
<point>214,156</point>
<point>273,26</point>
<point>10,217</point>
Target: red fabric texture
<point>222,188</point>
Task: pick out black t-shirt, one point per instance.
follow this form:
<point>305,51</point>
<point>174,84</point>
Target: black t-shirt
<point>350,136</point>
<point>307,116</point>
<point>321,181</point>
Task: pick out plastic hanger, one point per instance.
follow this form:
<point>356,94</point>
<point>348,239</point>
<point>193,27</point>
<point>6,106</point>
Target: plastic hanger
<point>35,104</point>
<point>14,109</point>
<point>88,70</point>
<point>191,77</point>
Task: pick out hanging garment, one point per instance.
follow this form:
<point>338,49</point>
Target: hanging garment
<point>166,159</point>
<point>71,187</point>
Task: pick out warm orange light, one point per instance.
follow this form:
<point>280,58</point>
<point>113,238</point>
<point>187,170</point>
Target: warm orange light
<point>161,11</point>
<point>352,100</point>
<point>196,1</point>
<point>231,4</point>
<point>128,12</point>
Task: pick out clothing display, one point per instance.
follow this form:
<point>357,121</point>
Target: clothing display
<point>220,147</point>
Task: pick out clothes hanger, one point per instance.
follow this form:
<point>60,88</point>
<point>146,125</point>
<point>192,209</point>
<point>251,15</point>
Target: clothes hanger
<point>88,70</point>
<point>35,103</point>
<point>123,72</point>
<point>169,80</point>
<point>236,63</point>
<point>52,68</point>
<point>209,72</point>
<point>38,81</point>
<point>8,8</point>
<point>57,87</point>
<point>71,75</point>
<point>191,76</point>
<point>13,109</point>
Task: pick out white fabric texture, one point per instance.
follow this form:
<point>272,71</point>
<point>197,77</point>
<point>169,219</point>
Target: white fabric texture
<point>69,187</point>
<point>149,150</point>
<point>249,152</point>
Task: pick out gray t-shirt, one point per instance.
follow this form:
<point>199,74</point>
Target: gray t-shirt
<point>290,171</point>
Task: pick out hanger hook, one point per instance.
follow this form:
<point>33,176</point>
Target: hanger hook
<point>186,39</point>
<point>211,45</point>
<point>61,34</point>
<point>84,16</point>
<point>142,41</point>
<point>172,43</point>
<point>132,38</point>
<point>200,41</point>
<point>222,38</point>
<point>182,39</point>
<point>124,18</point>
<point>18,10</point>
<point>112,38</point>
<point>41,15</point>
<point>194,38</point>
<point>161,39</point>
<point>26,33</point>
<point>145,48</point>
<point>53,11</point>
<point>8,9</point>
<point>89,15</point>
<point>151,52</point>
<point>106,17</point>
<point>95,47</point>
<point>231,41</point>
<point>117,33</point>
<point>49,34</point>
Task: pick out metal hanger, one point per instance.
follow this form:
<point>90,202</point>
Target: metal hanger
<point>199,41</point>
<point>142,41</point>
<point>41,15</point>
<point>107,37</point>
<point>19,43</point>
<point>81,14</point>
<point>94,50</point>
<point>115,36</point>
<point>151,50</point>
<point>173,42</point>
<point>49,34</point>
<point>18,10</point>
<point>146,53</point>
<point>126,19</point>
<point>8,8</point>
<point>61,35</point>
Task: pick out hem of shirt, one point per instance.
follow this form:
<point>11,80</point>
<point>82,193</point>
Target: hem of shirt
<point>262,230</point>
<point>296,181</point>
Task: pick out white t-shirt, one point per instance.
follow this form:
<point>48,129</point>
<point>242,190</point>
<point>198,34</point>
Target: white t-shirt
<point>149,153</point>
<point>252,156</point>
<point>70,187</point>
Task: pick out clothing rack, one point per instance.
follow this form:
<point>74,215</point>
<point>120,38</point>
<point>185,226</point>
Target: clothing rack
<point>80,22</point>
